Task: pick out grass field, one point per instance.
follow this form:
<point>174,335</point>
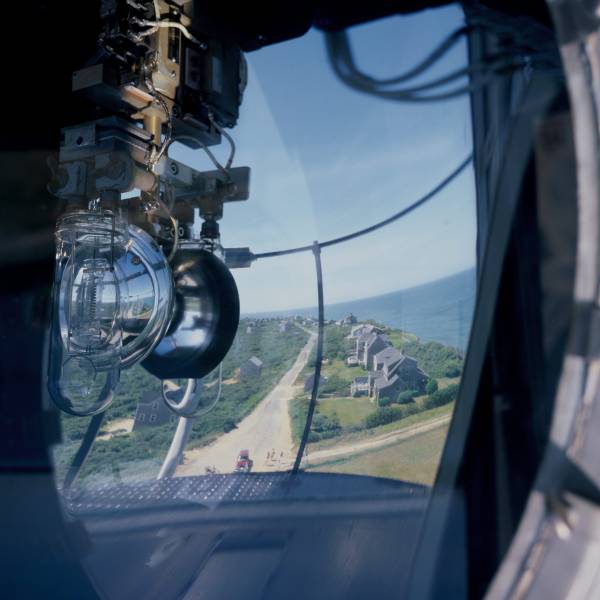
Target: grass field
<point>398,338</point>
<point>364,434</point>
<point>350,411</point>
<point>415,459</point>
<point>444,382</point>
<point>341,369</point>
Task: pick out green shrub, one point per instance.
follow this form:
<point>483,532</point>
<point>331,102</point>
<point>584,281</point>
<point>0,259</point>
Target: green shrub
<point>384,415</point>
<point>434,358</point>
<point>432,386</point>
<point>335,385</point>
<point>324,423</point>
<point>406,396</point>
<point>441,397</point>
<point>384,401</point>
<point>453,369</point>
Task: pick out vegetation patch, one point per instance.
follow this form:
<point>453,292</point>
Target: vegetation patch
<point>415,459</point>
<point>262,338</point>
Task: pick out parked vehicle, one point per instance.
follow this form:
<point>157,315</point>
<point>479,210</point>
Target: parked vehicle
<point>244,463</point>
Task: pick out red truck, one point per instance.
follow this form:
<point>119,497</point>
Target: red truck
<point>243,463</point>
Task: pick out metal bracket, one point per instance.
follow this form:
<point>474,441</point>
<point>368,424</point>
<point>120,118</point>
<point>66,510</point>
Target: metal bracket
<point>108,154</point>
<point>206,191</point>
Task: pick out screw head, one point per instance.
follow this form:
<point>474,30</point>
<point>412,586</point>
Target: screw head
<point>174,168</point>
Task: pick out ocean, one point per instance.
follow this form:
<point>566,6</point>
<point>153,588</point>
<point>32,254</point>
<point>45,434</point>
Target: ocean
<point>439,311</point>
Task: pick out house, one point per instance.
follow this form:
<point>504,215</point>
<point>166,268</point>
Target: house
<point>374,376</point>
<point>372,345</point>
<point>152,411</point>
<point>349,320</point>
<point>358,338</point>
<point>284,326</point>
<point>387,388</point>
<point>309,381</point>
<point>360,386</point>
<point>358,330</point>
<point>251,369</point>
<point>394,372</point>
<point>361,340</point>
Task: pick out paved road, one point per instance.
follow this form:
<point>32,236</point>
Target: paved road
<point>265,429</point>
<point>336,452</point>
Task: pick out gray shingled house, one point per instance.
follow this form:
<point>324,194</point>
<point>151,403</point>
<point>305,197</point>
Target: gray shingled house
<point>375,343</point>
<point>361,340</point>
<point>251,368</point>
<point>394,372</point>
<point>152,411</point>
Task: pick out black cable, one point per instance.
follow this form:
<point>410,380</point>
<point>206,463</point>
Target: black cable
<point>316,248</point>
<point>438,53</point>
<point>341,58</point>
<point>350,236</point>
<point>83,451</point>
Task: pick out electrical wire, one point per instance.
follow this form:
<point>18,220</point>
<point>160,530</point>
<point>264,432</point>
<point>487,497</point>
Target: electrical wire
<point>156,25</point>
<point>451,40</point>
<point>226,135</point>
<point>206,149</point>
<point>167,212</point>
<point>402,213</point>
<point>316,249</point>
<point>342,62</point>
<point>156,156</point>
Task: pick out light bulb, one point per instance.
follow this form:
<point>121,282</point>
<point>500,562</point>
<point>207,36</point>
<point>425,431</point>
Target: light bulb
<point>87,333</point>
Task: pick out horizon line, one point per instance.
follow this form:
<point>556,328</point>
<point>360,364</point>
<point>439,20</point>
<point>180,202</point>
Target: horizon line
<point>315,307</point>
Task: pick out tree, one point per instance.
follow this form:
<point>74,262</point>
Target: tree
<point>432,386</point>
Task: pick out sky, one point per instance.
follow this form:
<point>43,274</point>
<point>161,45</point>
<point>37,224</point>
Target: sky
<point>327,160</point>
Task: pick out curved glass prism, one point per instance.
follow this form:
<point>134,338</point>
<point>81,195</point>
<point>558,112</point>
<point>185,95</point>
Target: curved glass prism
<point>86,337</point>
<point>113,302</point>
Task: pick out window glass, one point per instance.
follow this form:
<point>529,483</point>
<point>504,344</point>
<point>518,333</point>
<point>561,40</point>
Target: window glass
<point>326,161</point>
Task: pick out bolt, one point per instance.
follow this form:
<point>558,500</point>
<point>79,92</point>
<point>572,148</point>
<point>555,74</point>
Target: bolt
<point>173,74</point>
<point>174,168</point>
<point>136,260</point>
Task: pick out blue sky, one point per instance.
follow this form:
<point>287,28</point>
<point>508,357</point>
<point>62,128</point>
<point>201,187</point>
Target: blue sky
<point>327,160</point>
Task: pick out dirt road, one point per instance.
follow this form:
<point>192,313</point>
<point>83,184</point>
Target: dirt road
<point>267,428</point>
<point>321,456</point>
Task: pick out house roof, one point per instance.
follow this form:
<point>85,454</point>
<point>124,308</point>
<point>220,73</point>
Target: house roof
<point>361,379</point>
<point>376,375</point>
<point>362,329</point>
<point>381,383</point>
<point>407,362</point>
<point>256,361</point>
<point>363,337</point>
<point>389,355</point>
<point>374,337</point>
